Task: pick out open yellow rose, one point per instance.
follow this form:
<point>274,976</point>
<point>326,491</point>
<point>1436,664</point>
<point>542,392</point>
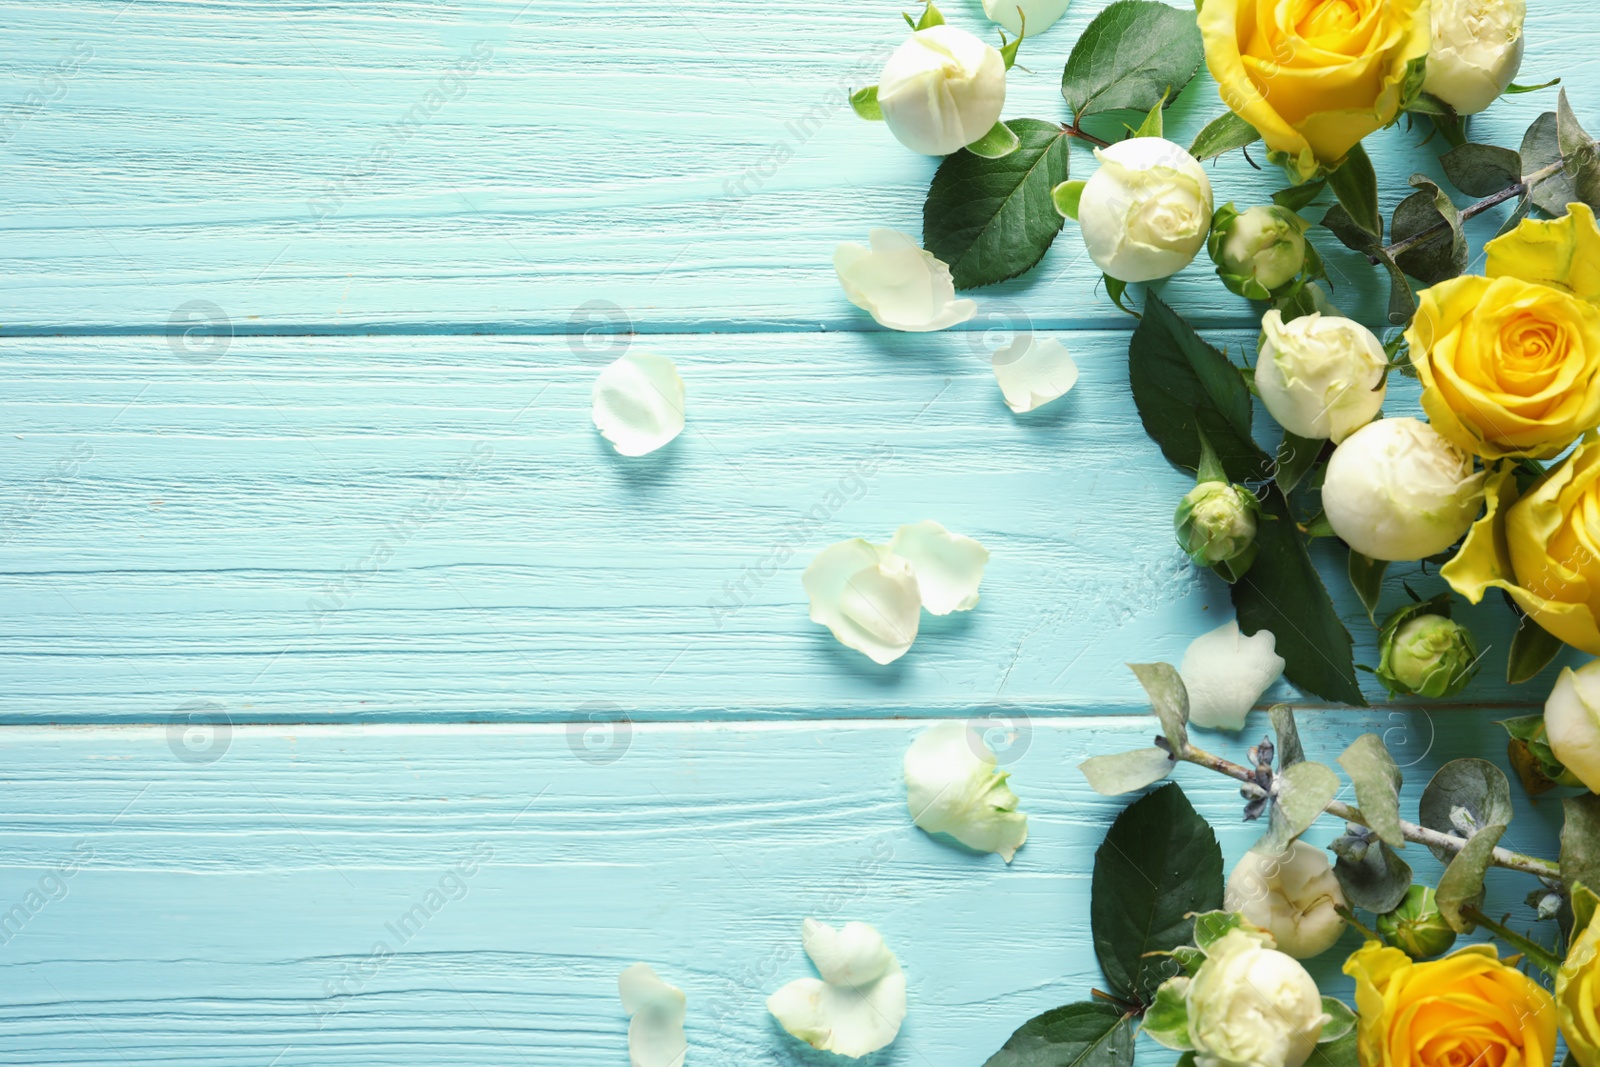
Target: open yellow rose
<point>1544,549</point>
<point>1315,76</point>
<point>1562,253</point>
<point>1578,996</point>
<point>1508,367</point>
<point>1468,1008</point>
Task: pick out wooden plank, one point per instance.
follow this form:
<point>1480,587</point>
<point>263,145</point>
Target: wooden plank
<point>228,912</point>
<point>403,529</point>
<point>527,167</point>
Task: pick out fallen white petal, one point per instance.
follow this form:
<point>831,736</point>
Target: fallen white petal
<point>860,1001</point>
<point>952,787</point>
<point>1226,673</point>
<point>1124,772</point>
<point>1033,371</point>
<point>949,567</point>
<point>899,284</point>
<point>638,403</point>
<point>867,596</point>
<point>655,1035</point>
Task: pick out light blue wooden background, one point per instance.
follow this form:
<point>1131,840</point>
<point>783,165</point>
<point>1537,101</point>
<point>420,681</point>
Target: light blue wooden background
<point>256,326</point>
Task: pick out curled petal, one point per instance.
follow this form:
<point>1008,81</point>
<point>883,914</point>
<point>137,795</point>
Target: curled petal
<point>949,567</point>
<point>867,596</point>
<point>952,787</point>
<point>655,1035</point>
<point>861,1009</point>
<point>1226,672</point>
<point>1033,371</point>
<point>901,286</point>
<point>638,403</point>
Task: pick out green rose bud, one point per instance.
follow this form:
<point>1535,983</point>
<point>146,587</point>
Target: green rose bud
<point>1416,927</point>
<point>1425,654</point>
<point>1258,251</point>
<point>1216,524</point>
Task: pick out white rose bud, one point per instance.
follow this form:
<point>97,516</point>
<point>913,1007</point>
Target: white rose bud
<point>1292,895</point>
<point>1146,212</point>
<point>941,90</point>
<point>1476,50</point>
<point>1572,722</point>
<point>1258,250</point>
<point>1397,490</point>
<point>1252,1006</point>
<point>1321,376</point>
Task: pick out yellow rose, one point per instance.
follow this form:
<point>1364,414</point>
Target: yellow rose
<point>1577,990</point>
<point>1563,253</point>
<point>1544,550</point>
<point>1315,76</point>
<point>1465,1009</point>
<point>1508,367</point>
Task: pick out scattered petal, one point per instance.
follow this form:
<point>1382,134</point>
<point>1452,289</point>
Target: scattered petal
<point>1226,672</point>
<point>859,1003</point>
<point>900,285</point>
<point>867,596</point>
<point>1033,371</point>
<point>1125,772</point>
<point>952,787</point>
<point>655,1036</point>
<point>949,567</point>
<point>638,403</point>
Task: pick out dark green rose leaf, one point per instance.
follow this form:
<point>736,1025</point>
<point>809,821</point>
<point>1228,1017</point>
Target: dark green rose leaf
<point>1223,134</point>
<point>1355,183</point>
<point>1297,197</point>
<point>1085,1034</point>
<point>1133,53</point>
<point>1366,578</point>
<point>1533,648</point>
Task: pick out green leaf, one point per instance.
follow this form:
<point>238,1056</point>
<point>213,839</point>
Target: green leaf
<point>1085,1034</point>
<point>1283,593</point>
<point>1223,134</point>
<point>1290,750</point>
<point>864,102</point>
<point>1117,290</point>
<point>1183,387</point>
<point>1532,650</point>
<point>1437,258</point>
<point>1152,125</point>
<point>1066,197</point>
<point>1584,905</point>
<point>1474,786</point>
<point>1540,148</point>
<point>1376,881</point>
<point>1572,138</point>
<point>1376,778</point>
<point>1344,1052</point>
<point>1159,864</point>
<point>1341,1020</point>
<point>1167,1020</point>
<point>1366,578</point>
<point>1296,456</point>
<point>1529,752</point>
<point>1482,169</point>
<point>1580,840</point>
<point>1355,183</point>
<point>998,143</point>
<point>1461,885</point>
<point>1126,772</point>
<point>1298,197</point>
<point>1168,699</point>
<point>1303,792</point>
<point>931,16</point>
<point>1516,90</point>
<point>1133,53</point>
<point>1402,301</point>
<point>992,219</point>
<point>1212,926</point>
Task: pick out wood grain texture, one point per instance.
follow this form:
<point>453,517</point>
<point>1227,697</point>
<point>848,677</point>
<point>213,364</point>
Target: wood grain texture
<point>229,912</point>
<point>500,166</point>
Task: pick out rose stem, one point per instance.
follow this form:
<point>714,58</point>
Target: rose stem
<point>1072,130</point>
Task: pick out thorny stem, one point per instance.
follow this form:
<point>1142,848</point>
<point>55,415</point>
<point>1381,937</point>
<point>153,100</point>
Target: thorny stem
<point>1422,237</point>
<point>1503,857</point>
<point>1071,130</point>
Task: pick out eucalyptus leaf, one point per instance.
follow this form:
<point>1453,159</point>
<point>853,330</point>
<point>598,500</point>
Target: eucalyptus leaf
<point>1437,258</point>
<point>1376,778</point>
<point>1296,455</point>
<point>1086,1034</point>
<point>1355,183</point>
<point>1482,169</point>
<point>864,102</point>
<point>1223,134</point>
<point>1461,885</point>
<point>1580,840</point>
<point>1133,53</point>
<point>1376,881</point>
<point>992,219</point>
<point>1290,751</point>
<point>1302,796</point>
<point>1349,233</point>
<point>998,143</point>
<point>1159,865</point>
<point>1571,137</point>
<point>1126,772</point>
<point>1402,301</point>
<point>1366,578</point>
<point>1533,648</point>
<point>1540,148</point>
<point>1472,786</point>
<point>1168,699</point>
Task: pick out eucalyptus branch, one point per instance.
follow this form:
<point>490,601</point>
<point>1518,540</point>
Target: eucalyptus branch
<point>1522,188</point>
<point>1071,129</point>
<point>1503,857</point>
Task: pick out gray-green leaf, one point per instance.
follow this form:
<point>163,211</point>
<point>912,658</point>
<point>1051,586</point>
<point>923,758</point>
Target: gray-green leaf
<point>1290,751</point>
<point>1580,840</point>
<point>1129,56</point>
<point>1126,772</point>
<point>1375,880</point>
<point>1303,792</point>
<point>1168,699</point>
<point>1444,254</point>
<point>1540,148</point>
<point>1377,781</point>
<point>1223,134</point>
<point>1465,795</point>
<point>1482,169</point>
<point>1461,885</point>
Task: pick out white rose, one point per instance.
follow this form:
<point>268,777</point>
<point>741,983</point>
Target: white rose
<point>1292,895</point>
<point>941,90</point>
<point>1146,211</point>
<point>1572,722</point>
<point>1252,1006</point>
<point>1042,14</point>
<point>1321,376</point>
<point>1476,50</point>
<point>1397,490</point>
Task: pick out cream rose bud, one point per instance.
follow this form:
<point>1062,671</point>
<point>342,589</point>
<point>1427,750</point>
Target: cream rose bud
<point>1321,376</point>
<point>1397,490</point>
<point>1475,53</point>
<point>1257,250</point>
<point>1292,895</point>
<point>1572,722</point>
<point>1146,212</point>
<point>941,90</point>
<point>1252,1006</point>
